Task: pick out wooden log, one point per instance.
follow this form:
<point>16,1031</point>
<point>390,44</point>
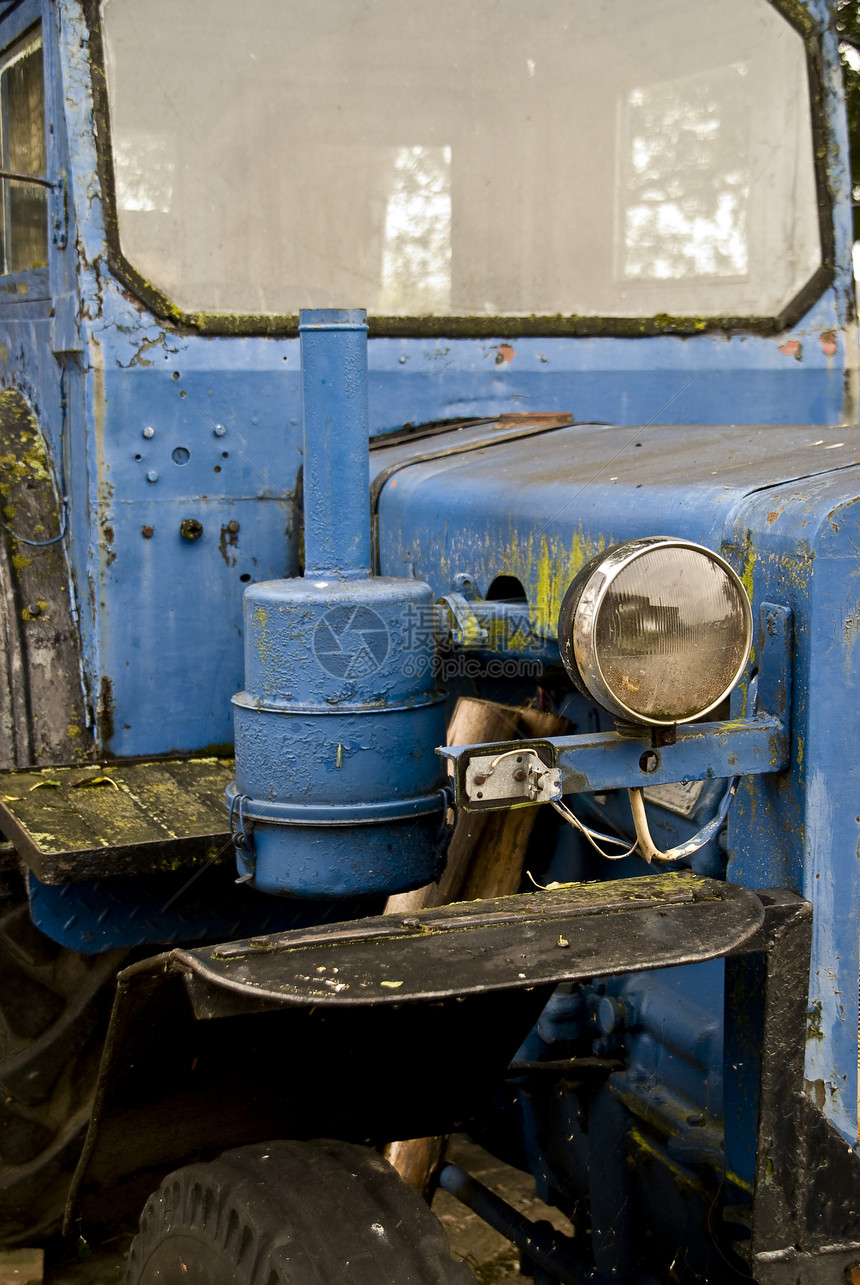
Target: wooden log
<point>474,722</point>
<point>417,1160</point>
<point>485,859</point>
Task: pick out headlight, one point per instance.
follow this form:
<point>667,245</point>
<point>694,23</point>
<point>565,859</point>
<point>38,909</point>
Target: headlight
<point>656,631</point>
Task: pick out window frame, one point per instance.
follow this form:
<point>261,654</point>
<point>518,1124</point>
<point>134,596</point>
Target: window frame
<point>18,20</point>
<point>286,324</point>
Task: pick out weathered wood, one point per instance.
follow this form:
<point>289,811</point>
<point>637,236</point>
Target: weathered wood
<point>485,859</point>
<point>416,1160</point>
<point>43,712</point>
<point>71,823</point>
<point>473,722</point>
<point>496,868</point>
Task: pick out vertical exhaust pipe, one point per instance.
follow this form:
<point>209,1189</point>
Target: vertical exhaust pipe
<point>338,790</point>
<point>336,467</point>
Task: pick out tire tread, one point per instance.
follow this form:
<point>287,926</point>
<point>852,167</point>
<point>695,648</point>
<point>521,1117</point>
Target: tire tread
<point>295,1213</point>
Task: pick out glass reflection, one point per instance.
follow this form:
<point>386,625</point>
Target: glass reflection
<point>671,634</point>
<point>416,256</point>
<point>687,181</point>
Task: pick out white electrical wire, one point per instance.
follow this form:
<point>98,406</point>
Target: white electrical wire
<point>646,844</point>
<point>506,754</point>
<point>643,835</point>
<point>593,835</point>
<point>643,841</point>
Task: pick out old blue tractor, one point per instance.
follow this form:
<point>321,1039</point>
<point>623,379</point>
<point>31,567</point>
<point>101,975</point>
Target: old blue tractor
<point>358,359</point>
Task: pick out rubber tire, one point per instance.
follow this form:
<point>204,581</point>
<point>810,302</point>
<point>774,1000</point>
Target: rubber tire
<point>291,1213</point>
<point>54,1009</point>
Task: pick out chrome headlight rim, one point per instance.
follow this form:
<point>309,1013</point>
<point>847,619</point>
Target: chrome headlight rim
<point>580,610</point>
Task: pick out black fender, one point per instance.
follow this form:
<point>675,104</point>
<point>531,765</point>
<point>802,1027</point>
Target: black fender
<point>378,1029</point>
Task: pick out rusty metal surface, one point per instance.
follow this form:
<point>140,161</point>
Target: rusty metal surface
<point>76,823</point>
<point>459,438</point>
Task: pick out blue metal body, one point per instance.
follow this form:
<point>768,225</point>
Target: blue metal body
<point>516,511</point>
<point>147,603</point>
<point>736,441</point>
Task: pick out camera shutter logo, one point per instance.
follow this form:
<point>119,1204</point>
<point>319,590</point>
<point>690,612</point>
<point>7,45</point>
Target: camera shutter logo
<point>351,641</point>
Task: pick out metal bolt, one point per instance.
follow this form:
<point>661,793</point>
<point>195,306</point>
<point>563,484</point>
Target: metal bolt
<point>34,609</point>
<point>152,476</point>
<point>411,922</point>
<point>190,529</point>
<point>219,430</point>
<point>610,1014</point>
<point>147,532</point>
<point>233,527</point>
<point>480,778</point>
<point>520,774</point>
<point>148,432</point>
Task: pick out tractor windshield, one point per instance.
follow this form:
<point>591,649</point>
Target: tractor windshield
<point>463,158</point>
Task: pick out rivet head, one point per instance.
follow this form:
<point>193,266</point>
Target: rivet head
<point>233,527</point>
<point>219,430</point>
<point>190,529</point>
<point>148,432</point>
<point>152,476</point>
<point>34,609</point>
<point>147,532</point>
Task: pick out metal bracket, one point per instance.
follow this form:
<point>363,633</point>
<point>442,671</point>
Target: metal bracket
<point>58,212</point>
<point>627,759</point>
<point>463,626</point>
<point>517,775</point>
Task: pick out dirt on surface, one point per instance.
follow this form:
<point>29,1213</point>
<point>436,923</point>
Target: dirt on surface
<point>84,1264</point>
<point>493,1260</point>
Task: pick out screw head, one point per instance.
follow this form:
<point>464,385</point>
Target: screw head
<point>152,476</point>
<point>219,430</point>
<point>34,609</point>
<point>190,529</point>
<point>148,432</point>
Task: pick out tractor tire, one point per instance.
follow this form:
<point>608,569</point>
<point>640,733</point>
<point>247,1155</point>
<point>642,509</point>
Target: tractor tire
<point>291,1213</point>
<point>54,1010</point>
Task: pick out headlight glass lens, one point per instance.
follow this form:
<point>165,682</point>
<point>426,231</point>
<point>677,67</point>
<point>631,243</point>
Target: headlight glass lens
<point>661,630</point>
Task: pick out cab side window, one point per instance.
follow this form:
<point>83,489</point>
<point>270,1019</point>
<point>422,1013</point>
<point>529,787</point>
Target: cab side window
<point>23,207</point>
